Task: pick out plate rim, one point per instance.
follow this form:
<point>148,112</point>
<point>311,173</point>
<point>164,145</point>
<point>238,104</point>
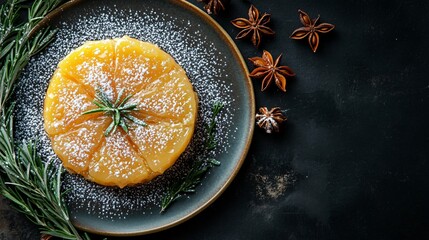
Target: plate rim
<point>235,51</point>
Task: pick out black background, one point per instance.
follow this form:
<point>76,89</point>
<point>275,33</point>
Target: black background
<point>352,161</point>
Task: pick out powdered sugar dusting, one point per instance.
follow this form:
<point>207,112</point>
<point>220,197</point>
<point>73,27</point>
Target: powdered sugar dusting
<point>197,55</point>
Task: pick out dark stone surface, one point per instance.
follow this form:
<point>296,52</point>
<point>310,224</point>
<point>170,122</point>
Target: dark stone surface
<point>352,161</point>
<point>14,225</point>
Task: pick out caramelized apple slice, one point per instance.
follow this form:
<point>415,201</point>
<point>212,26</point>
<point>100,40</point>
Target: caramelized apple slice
<point>161,144</point>
<point>65,102</point>
<point>117,163</point>
<point>92,65</point>
<point>174,100</point>
<point>139,64</point>
<point>76,147</point>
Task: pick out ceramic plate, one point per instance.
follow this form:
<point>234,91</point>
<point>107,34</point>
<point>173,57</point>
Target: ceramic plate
<point>215,68</point>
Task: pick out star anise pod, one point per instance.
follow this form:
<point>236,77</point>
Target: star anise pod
<point>214,6</point>
<point>311,29</point>
<point>267,69</point>
<point>45,237</point>
<point>270,120</point>
<point>254,26</point>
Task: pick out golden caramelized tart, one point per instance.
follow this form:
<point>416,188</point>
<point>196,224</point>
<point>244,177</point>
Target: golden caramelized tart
<point>98,146</point>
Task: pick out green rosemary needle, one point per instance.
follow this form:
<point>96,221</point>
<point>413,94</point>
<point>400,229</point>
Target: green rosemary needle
<point>119,111</point>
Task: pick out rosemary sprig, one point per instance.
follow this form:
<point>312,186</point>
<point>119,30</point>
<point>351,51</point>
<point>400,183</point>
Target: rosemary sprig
<point>118,110</point>
<point>16,45</point>
<point>211,127</point>
<point>34,186</point>
<point>199,168</point>
<point>188,184</point>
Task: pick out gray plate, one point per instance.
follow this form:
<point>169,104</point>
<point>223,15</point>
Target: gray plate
<point>186,23</point>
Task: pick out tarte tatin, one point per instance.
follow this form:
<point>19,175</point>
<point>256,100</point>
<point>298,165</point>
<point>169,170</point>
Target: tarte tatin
<point>124,67</point>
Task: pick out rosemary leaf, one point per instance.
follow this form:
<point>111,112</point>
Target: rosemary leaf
<point>135,120</point>
<point>123,125</point>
